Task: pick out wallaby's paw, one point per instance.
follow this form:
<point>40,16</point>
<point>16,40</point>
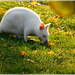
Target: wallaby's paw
<point>25,39</point>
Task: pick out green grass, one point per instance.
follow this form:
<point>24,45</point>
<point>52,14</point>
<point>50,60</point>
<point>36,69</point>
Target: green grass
<point>62,34</point>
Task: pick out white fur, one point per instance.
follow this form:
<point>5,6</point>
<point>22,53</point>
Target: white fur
<point>23,21</point>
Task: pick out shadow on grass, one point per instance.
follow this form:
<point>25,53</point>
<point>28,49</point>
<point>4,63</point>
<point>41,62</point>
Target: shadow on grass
<point>13,62</point>
<point>11,59</point>
<point>12,40</point>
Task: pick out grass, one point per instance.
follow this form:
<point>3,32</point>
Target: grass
<point>56,57</point>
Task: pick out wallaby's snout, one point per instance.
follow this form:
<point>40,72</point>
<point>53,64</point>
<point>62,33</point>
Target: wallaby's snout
<point>46,41</point>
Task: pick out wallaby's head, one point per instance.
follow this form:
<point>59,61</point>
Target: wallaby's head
<point>43,32</point>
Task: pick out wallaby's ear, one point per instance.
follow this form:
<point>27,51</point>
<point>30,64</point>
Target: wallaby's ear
<point>41,26</point>
<point>47,25</point>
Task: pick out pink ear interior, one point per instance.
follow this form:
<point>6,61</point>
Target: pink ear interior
<point>46,26</point>
<point>41,26</point>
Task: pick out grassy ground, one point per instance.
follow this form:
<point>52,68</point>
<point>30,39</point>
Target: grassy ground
<point>58,56</point>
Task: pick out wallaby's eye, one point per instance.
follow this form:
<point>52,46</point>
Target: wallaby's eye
<point>43,35</point>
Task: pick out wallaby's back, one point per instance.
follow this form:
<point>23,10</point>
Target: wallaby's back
<point>17,18</point>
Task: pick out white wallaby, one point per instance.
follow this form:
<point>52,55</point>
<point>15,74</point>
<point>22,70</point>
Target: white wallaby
<point>23,21</point>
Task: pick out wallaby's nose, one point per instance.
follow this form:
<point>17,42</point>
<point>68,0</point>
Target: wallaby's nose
<point>46,41</point>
